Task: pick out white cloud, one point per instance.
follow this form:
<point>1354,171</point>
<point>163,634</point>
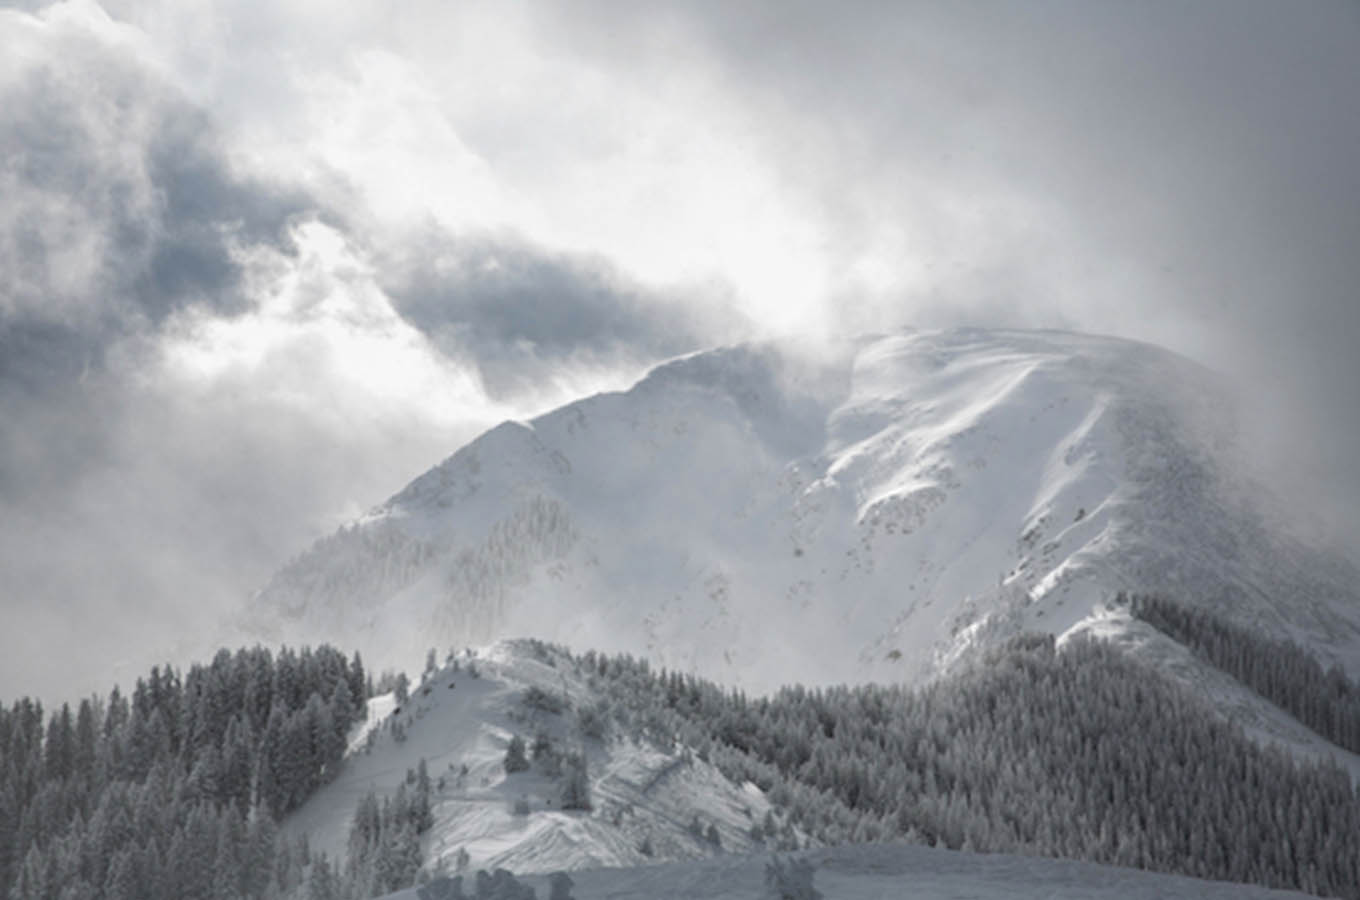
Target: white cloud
<point>478,117</point>
<point>323,340</point>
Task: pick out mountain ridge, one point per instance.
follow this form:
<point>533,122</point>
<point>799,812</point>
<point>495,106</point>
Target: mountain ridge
<point>871,508</point>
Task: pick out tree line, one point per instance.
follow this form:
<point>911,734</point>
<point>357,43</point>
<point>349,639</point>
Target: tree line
<point>1281,671</point>
<point>1077,752</point>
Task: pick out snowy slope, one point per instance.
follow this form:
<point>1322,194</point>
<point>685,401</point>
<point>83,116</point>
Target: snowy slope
<point>461,725</point>
<point>891,872</point>
<point>765,514</point>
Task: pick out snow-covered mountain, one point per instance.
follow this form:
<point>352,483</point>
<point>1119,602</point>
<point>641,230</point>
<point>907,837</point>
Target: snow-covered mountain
<point>772,513</point>
<point>644,798</point>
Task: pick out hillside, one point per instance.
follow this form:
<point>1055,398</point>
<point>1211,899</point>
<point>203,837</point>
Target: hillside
<point>767,514</point>
<point>460,720</point>
<point>1079,753</point>
<point>526,757</point>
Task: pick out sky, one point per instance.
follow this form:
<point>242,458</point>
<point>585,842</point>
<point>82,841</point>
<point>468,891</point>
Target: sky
<point>261,263</point>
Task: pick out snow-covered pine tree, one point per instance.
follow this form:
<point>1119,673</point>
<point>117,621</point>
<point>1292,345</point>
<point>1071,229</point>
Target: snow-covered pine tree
<point>515,760</point>
<point>575,783</point>
<point>559,886</point>
<point>790,879</point>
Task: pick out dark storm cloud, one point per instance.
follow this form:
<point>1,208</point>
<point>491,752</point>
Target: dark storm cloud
<point>106,157</point>
<point>122,210</point>
<point>522,313</point>
<point>206,208</point>
<point>119,211</point>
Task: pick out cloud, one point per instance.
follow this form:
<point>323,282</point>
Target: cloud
<point>1182,175</point>
<point>121,207</point>
<point>260,263</point>
<point>523,314</point>
<point>204,365</point>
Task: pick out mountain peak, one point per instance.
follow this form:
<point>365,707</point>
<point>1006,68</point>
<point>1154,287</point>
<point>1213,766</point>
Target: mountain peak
<point>870,508</point>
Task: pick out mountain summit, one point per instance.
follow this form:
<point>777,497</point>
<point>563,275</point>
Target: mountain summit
<point>876,509</point>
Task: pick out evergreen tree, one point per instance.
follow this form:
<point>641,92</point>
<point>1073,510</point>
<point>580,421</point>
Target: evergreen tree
<point>442,889</point>
<point>59,748</point>
<point>85,751</point>
<point>9,826</point>
<point>36,878</point>
<point>322,881</point>
<point>271,775</point>
<point>575,784</point>
<point>790,879</point>
<point>358,683</point>
<point>559,886</point>
<point>515,760</point>
<point>422,814</point>
<point>259,854</point>
<point>121,883</point>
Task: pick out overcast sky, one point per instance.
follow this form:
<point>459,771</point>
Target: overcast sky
<point>262,262</point>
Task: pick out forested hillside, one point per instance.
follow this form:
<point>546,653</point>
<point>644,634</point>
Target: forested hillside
<point>1281,671</point>
<point>174,791</point>
<point>1078,753</point>
<point>1075,751</point>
